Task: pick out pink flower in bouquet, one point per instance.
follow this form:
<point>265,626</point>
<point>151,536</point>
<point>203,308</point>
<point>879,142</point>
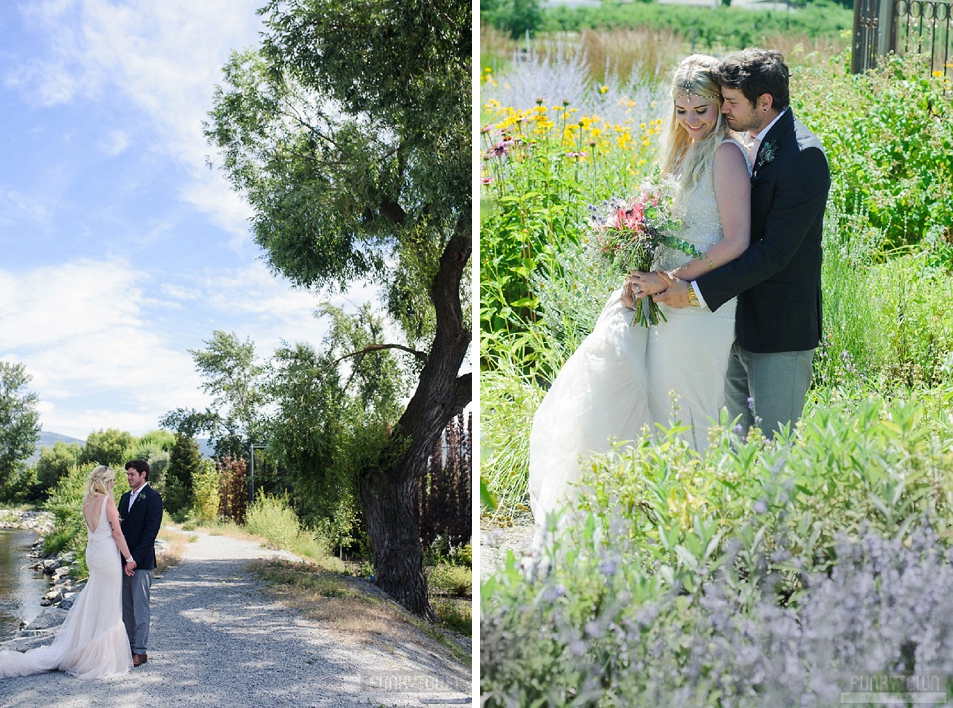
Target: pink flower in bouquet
<point>629,234</point>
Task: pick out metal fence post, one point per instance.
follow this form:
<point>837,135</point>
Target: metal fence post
<point>886,23</point>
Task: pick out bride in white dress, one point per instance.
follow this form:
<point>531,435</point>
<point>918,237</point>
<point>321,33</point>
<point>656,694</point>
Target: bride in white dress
<point>620,380</point>
<point>92,643</point>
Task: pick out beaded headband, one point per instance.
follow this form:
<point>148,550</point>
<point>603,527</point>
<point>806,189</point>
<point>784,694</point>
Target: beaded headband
<point>688,88</point>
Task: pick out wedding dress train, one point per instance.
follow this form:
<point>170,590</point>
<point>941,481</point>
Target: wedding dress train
<point>92,643</point>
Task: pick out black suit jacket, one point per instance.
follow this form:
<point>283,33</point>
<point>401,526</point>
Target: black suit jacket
<point>140,526</point>
<point>778,278</point>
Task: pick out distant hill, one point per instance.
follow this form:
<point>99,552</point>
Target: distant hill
<point>48,439</point>
<point>205,449</point>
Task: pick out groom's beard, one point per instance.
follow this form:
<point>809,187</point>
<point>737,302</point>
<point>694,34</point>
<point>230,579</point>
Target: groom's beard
<point>744,125</point>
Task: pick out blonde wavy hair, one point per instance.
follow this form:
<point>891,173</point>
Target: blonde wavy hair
<point>98,482</point>
<point>688,162</point>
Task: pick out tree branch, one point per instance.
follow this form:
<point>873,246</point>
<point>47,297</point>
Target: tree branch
<point>380,347</point>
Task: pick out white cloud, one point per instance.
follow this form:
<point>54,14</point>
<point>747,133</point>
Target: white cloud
<point>81,331</point>
<point>14,204</point>
<point>177,292</point>
<point>164,57</point>
<point>95,334</point>
<point>114,142</point>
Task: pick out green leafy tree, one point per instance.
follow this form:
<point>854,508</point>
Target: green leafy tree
<point>56,461</point>
<point>19,420</point>
<point>155,447</point>
<point>205,491</point>
<point>349,133</point>
<point>516,17</point>
<point>185,462</point>
<point>108,447</point>
<point>233,376</point>
<point>330,424</point>
<point>153,440</point>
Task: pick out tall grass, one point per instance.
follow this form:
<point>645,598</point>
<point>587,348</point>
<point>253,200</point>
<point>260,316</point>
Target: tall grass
<point>643,50</point>
<point>273,519</point>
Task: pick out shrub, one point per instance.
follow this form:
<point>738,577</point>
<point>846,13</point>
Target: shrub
<point>699,578</point>
<point>233,489</point>
<point>451,580</point>
<point>205,491</point>
<point>888,136</point>
<point>612,638</point>
<point>275,520</point>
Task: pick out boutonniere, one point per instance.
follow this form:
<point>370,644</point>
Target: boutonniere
<point>766,154</point>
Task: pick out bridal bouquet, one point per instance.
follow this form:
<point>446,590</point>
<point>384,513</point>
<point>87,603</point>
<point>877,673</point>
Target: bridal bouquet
<point>629,233</point>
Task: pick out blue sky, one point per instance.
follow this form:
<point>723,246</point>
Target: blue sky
<point>120,249</point>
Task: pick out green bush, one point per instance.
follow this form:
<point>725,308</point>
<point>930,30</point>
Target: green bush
<point>55,462</point>
<point>661,536</point>
<point>205,492</point>
<point>455,616</point>
<point>515,17</point>
<point>273,519</point>
<point>451,580</point>
<point>888,136</point>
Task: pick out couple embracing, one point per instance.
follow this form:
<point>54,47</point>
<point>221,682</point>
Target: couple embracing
<point>107,628</point>
<point>742,322</point>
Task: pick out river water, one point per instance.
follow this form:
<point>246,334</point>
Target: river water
<point>20,587</point>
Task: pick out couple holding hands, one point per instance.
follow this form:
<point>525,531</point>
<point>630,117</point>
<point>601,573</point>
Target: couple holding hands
<point>107,629</point>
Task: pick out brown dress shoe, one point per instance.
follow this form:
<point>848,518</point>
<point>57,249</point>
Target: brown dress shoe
<point>139,659</point>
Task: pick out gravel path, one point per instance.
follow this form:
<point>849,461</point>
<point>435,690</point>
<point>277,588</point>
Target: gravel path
<point>515,534</point>
<point>217,640</point>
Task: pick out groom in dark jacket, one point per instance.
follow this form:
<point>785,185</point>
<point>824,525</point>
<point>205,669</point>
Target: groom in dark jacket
<point>778,278</point>
<point>140,514</point>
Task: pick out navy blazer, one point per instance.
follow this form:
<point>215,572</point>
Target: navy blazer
<point>140,526</point>
<point>778,278</point>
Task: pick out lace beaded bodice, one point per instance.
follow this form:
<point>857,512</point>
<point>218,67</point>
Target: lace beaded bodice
<point>701,223</point>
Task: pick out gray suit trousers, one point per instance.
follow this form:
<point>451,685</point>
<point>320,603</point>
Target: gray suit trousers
<point>767,390</point>
<point>135,609</point>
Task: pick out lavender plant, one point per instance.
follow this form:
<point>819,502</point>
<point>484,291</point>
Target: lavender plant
<point>735,579</point>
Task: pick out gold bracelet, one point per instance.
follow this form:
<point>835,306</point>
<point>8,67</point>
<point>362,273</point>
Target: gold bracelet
<point>692,297</point>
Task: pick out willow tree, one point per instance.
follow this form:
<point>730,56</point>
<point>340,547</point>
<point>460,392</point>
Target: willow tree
<point>349,132</point>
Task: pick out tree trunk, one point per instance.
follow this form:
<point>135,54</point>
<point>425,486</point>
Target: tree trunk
<point>389,494</point>
<point>390,510</point>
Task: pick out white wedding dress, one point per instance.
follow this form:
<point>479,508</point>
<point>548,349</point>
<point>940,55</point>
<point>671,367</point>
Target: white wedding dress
<point>92,643</point>
<point>619,381</point>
